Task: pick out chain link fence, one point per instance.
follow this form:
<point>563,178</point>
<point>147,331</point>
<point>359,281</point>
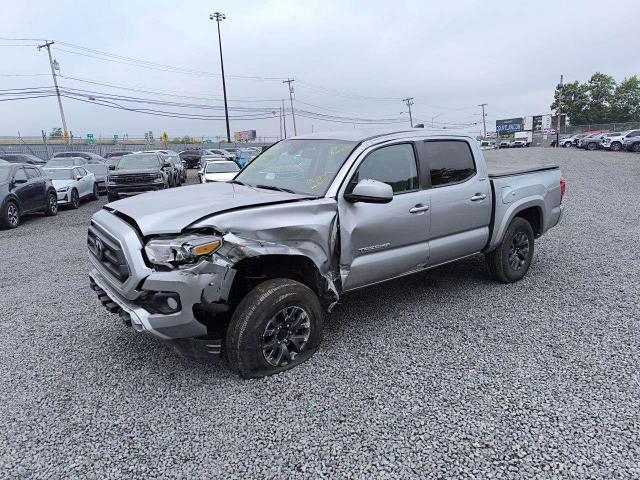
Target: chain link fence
<point>610,127</point>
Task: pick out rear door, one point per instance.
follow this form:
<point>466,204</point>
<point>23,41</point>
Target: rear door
<point>86,182</point>
<point>460,199</point>
<point>382,241</point>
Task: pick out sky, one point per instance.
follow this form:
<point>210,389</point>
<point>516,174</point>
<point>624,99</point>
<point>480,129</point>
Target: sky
<point>354,61</point>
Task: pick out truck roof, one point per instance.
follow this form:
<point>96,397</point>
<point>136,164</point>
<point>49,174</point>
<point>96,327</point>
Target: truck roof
<point>361,135</point>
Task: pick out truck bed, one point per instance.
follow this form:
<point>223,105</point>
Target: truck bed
<point>506,167</point>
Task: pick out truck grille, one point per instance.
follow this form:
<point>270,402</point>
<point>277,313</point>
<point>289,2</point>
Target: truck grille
<point>108,252</point>
<point>134,178</point>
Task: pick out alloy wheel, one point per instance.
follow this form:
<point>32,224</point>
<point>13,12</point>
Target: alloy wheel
<point>75,199</point>
<point>518,251</point>
<point>286,336</point>
<point>13,215</point>
<point>53,203</point>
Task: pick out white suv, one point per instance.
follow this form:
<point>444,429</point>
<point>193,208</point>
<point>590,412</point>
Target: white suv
<point>631,141</point>
<point>614,142</point>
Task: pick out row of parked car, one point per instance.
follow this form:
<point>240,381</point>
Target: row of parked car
<point>29,184</point>
<point>614,141</point>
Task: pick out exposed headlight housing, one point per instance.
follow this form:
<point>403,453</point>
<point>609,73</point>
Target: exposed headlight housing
<point>63,189</point>
<point>158,179</point>
<point>185,249</point>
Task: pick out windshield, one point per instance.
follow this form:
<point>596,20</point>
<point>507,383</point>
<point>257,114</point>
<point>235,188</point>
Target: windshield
<point>96,167</point>
<point>5,171</point>
<point>62,162</point>
<point>301,166</point>
<point>138,161</point>
<point>59,173</point>
<point>221,167</point>
<point>66,154</point>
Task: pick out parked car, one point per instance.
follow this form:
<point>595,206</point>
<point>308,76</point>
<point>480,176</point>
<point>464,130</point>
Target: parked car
<point>519,143</point>
<point>220,151</point>
<point>90,157</point>
<point>614,141</point>
<point>505,144</point>
<point>487,145</point>
<point>23,158</point>
<point>100,171</point>
<point>24,189</point>
<point>571,141</point>
<point>592,142</point>
<point>248,267</point>
<point>245,156</point>
<point>73,184</point>
<point>65,162</point>
<point>175,173</point>
<point>179,166</point>
<point>138,173</point>
<point>218,171</point>
<point>631,141</point>
<point>191,157</point>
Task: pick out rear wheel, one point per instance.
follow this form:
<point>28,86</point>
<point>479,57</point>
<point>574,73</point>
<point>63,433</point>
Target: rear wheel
<point>635,147</point>
<point>277,326</point>
<point>511,260</point>
<point>10,215</point>
<point>75,199</point>
<point>51,208</point>
<point>592,146</point>
<point>616,146</point>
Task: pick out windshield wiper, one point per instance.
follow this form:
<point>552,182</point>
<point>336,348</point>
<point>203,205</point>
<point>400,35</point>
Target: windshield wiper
<point>237,182</point>
<point>279,189</point>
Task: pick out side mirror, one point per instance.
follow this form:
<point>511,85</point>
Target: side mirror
<point>112,167</point>
<point>78,177</point>
<point>370,191</point>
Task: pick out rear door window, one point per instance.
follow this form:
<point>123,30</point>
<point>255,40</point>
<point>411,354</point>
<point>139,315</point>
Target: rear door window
<point>448,161</point>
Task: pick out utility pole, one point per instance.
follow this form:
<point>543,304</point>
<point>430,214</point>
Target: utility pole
<point>218,17</point>
<point>560,87</point>
<point>284,119</point>
<point>293,113</point>
<point>409,102</point>
<point>53,65</point>
<point>280,121</point>
<point>484,120</point>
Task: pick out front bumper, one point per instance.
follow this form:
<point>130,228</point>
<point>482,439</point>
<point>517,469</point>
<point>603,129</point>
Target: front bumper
<point>129,190</point>
<point>203,286</point>
<point>64,197</point>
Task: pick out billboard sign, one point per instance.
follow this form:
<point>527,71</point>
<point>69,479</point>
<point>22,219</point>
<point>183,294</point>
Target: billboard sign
<point>244,136</point>
<point>537,123</point>
<point>510,125</point>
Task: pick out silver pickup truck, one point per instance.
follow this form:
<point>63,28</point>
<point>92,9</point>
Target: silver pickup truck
<point>246,268</point>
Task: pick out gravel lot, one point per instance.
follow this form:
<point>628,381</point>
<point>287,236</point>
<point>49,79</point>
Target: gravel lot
<point>443,374</point>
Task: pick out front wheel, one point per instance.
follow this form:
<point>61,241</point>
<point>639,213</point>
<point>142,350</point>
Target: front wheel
<point>616,146</point>
<point>592,146</point>
<point>635,147</point>
<point>277,326</point>
<point>10,215</point>
<point>75,199</point>
<point>51,208</point>
<point>511,260</point>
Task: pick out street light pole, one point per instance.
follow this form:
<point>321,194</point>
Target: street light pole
<point>47,45</point>
<point>484,121</point>
<point>559,110</point>
<point>218,17</point>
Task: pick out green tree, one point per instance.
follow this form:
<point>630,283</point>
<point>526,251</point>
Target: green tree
<point>56,132</point>
<point>575,98</point>
<point>601,89</point>
<point>626,100</point>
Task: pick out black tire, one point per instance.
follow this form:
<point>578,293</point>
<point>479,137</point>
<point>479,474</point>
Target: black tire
<point>567,144</point>
<point>616,146</point>
<point>635,147</point>
<point>10,215</point>
<point>96,192</point>
<point>265,317</point>
<point>511,260</point>
<point>592,146</point>
<point>51,208</point>
<point>75,199</point>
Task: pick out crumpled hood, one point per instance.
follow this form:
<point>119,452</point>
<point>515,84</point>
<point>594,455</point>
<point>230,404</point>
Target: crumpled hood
<point>171,210</point>
<point>62,183</point>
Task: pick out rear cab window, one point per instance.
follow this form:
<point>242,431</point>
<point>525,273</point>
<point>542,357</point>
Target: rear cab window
<point>447,162</point>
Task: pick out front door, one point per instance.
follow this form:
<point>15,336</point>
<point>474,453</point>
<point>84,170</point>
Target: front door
<point>24,190</point>
<point>382,241</point>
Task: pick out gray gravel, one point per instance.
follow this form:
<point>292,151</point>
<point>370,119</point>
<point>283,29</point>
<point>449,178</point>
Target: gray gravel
<point>443,374</point>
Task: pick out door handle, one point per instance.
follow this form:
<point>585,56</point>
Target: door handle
<point>478,196</point>
<point>419,208</point>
